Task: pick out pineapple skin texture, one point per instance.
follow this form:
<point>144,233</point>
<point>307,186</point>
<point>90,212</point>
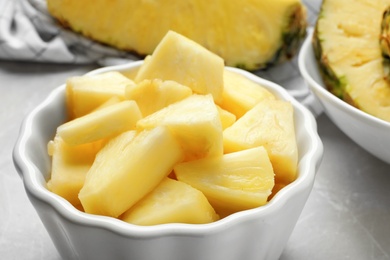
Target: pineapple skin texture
<point>350,55</point>
<point>247,34</point>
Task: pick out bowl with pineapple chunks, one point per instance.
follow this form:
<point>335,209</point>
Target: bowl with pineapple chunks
<point>366,123</point>
<point>173,157</point>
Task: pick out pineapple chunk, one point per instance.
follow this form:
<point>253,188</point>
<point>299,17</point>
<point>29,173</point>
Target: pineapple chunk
<point>227,118</point>
<point>195,122</point>
<point>241,94</point>
<point>171,202</point>
<point>232,182</point>
<point>270,124</point>
<point>127,168</point>
<point>153,95</point>
<point>70,165</point>
<point>111,101</point>
<point>100,124</point>
<point>186,62</point>
<point>85,93</point>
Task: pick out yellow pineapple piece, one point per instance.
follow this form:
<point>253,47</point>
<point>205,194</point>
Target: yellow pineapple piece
<point>240,94</point>
<point>101,124</point>
<point>86,93</point>
<point>171,202</point>
<point>270,124</point>
<point>111,101</point>
<point>70,165</point>
<point>152,95</point>
<point>195,122</point>
<point>182,60</point>
<point>227,118</point>
<point>127,168</point>
<point>232,182</point>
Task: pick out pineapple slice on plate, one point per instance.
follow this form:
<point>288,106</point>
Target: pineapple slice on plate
<point>152,95</point>
<point>182,60</point>
<point>245,33</point>
<point>102,123</point>
<point>127,168</point>
<point>195,122</point>
<point>171,202</point>
<point>232,182</point>
<point>270,124</point>
<point>347,47</point>
<point>241,94</point>
<point>70,165</point>
<point>86,93</point>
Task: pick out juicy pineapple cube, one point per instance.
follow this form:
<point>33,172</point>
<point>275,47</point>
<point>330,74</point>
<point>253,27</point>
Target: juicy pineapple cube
<point>153,95</point>
<point>232,182</point>
<point>195,122</point>
<point>70,165</point>
<point>171,202</point>
<point>227,118</point>
<point>270,124</point>
<point>85,93</point>
<point>182,60</point>
<point>240,94</point>
<point>100,124</point>
<point>127,168</point>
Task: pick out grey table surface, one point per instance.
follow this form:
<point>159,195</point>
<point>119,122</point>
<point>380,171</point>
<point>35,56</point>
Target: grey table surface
<point>347,215</point>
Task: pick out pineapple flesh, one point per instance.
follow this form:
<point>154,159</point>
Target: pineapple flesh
<point>232,182</point>
<point>127,168</point>
<point>270,124</point>
<point>171,202</point>
<point>347,45</point>
<point>88,92</point>
<point>195,122</point>
<point>247,34</point>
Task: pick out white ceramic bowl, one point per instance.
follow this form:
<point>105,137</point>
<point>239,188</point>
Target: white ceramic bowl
<point>260,233</point>
<point>371,133</point>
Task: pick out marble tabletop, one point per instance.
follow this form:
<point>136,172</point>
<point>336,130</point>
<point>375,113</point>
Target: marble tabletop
<point>347,215</point>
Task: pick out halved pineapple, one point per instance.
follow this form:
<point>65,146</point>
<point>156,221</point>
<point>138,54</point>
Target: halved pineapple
<point>247,34</point>
<point>152,95</point>
<point>232,182</point>
<point>195,122</point>
<point>127,168</point>
<point>347,46</point>
<point>171,202</point>
<point>182,60</point>
<point>70,165</point>
<point>240,94</point>
<point>103,123</point>
<point>270,124</point>
<point>86,93</point>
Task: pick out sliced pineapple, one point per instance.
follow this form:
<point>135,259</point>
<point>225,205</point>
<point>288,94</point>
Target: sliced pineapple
<point>152,95</point>
<point>86,93</point>
<point>70,165</point>
<point>270,124</point>
<point>232,182</point>
<point>171,202</point>
<point>247,34</point>
<point>127,168</point>
<point>227,118</point>
<point>182,60</point>
<point>347,47</point>
<point>241,94</point>
<point>103,123</point>
<point>195,122</point>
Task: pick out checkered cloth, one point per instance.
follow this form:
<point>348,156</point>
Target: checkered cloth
<point>29,33</point>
